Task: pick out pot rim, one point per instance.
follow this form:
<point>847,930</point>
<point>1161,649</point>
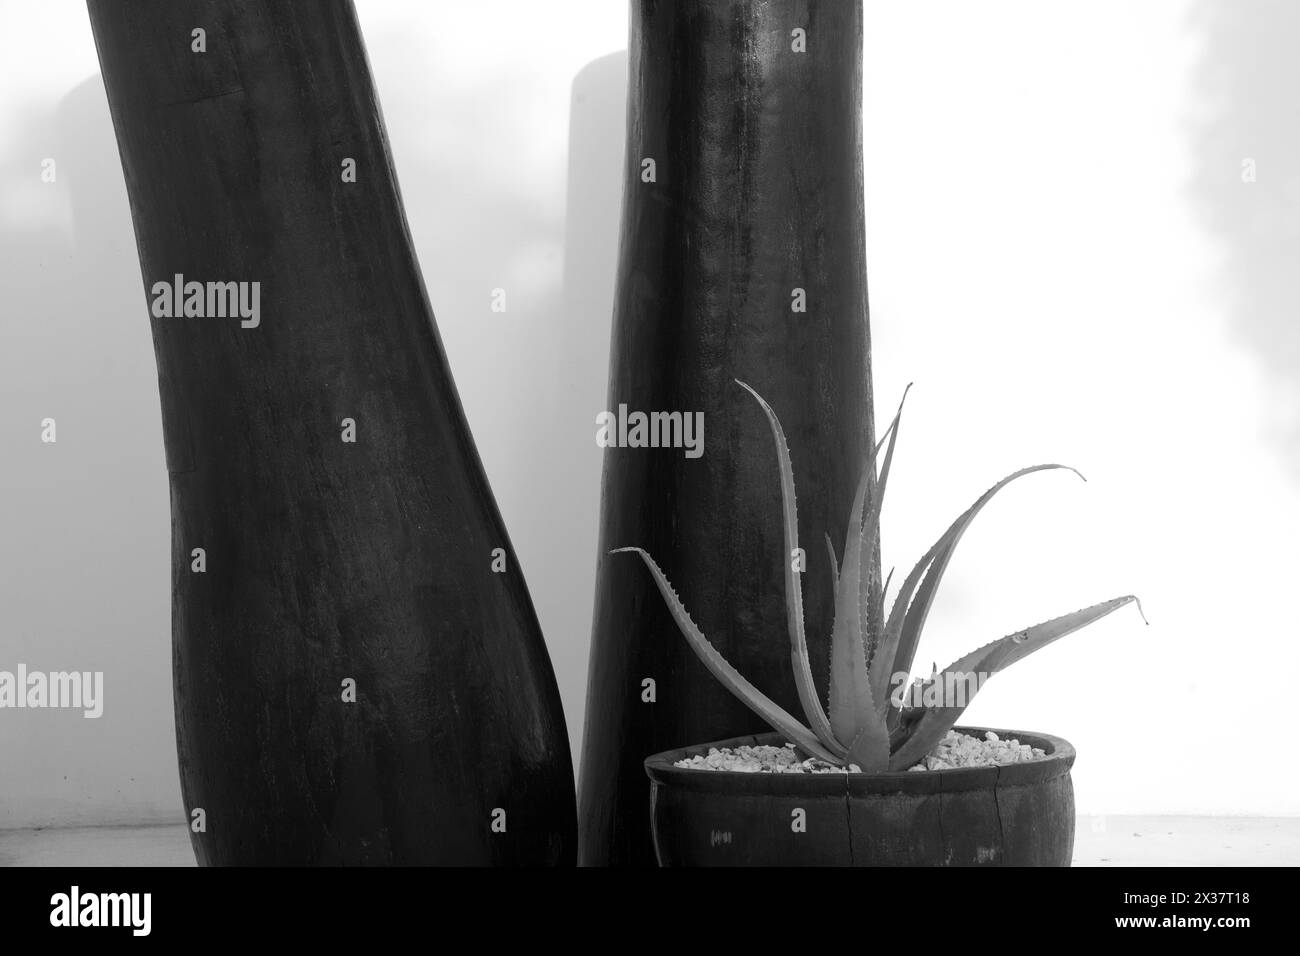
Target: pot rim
<point>1060,757</point>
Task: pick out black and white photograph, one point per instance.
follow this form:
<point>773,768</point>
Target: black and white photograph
<point>630,434</point>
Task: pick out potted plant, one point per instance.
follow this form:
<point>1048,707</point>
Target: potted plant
<point>880,776</point>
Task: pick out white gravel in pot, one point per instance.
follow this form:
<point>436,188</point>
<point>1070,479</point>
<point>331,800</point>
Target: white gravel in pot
<point>955,750</point>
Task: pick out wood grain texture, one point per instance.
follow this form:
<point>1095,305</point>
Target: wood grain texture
<point>1017,815</point>
<point>758,191</point>
<point>326,560</point>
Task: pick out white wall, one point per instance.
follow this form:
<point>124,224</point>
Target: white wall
<point>1062,256</point>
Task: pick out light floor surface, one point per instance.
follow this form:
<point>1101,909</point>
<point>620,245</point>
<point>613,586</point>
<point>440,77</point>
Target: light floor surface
<point>1099,841</point>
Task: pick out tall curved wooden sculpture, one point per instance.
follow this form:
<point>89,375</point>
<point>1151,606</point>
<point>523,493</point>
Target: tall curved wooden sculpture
<point>742,256</point>
<point>359,674</point>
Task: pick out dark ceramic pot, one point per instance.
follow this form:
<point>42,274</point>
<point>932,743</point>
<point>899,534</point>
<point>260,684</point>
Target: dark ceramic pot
<point>1017,815</point>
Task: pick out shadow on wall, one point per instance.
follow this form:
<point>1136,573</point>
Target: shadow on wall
<point>85,549</point>
<point>1247,186</point>
<point>597,115</point>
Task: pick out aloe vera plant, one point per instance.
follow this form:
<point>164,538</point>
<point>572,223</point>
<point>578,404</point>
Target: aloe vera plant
<point>865,723</point>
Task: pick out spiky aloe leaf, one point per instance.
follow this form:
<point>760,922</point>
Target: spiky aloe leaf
<point>870,748</point>
<point>803,680</point>
<point>753,698</point>
<point>852,712</point>
<point>920,733</point>
<point>907,617</point>
<point>914,621</point>
<point>835,564</point>
<point>871,599</point>
<point>884,588</point>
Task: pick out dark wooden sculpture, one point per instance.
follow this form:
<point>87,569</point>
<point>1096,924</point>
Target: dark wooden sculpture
<point>742,256</point>
<point>359,674</point>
